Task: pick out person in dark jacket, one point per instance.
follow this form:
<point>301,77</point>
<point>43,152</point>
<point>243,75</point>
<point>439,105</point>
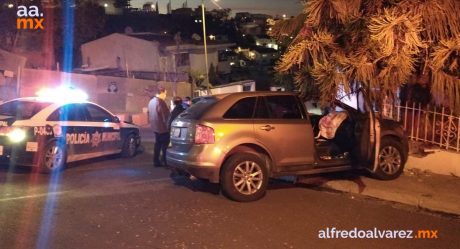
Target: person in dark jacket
<point>187,102</point>
<point>178,109</point>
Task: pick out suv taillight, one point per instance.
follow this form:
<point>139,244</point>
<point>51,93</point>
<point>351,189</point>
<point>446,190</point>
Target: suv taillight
<point>204,134</point>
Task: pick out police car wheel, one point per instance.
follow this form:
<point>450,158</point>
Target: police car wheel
<point>129,146</point>
<point>53,158</point>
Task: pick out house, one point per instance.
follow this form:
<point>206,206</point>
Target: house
<point>260,55</point>
<point>266,41</point>
<point>10,62</point>
<point>251,24</point>
<point>151,56</point>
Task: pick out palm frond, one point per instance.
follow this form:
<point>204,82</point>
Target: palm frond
<point>320,11</point>
<point>317,47</point>
<point>285,28</point>
<point>329,79</point>
<point>358,66</point>
<point>445,90</point>
<point>445,56</point>
<point>441,18</point>
<point>396,71</point>
<point>306,84</point>
<point>394,31</point>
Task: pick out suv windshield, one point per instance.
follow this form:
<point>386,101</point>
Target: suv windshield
<point>196,110</point>
<point>22,109</point>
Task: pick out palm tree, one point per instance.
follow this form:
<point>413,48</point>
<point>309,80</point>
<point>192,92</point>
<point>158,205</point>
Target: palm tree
<point>378,44</point>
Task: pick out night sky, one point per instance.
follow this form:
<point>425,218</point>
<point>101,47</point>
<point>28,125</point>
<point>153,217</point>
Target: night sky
<point>272,7</point>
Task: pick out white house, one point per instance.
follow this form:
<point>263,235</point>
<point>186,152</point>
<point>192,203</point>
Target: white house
<point>149,53</point>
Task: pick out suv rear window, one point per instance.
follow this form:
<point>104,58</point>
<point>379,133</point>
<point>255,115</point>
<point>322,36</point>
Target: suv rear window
<point>279,107</point>
<point>242,109</point>
<point>196,110</point>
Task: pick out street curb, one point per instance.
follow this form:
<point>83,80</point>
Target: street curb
<point>432,199</point>
<point>409,198</point>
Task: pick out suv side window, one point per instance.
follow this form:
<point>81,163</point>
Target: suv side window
<point>70,112</point>
<point>242,109</point>
<point>283,107</point>
<point>261,109</point>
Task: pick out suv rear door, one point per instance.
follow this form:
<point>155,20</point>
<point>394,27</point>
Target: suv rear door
<point>282,125</point>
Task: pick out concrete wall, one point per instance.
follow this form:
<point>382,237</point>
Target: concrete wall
<point>119,95</point>
<point>32,80</point>
<point>197,61</point>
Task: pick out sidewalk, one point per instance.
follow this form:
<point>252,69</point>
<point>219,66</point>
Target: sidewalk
<point>425,190</point>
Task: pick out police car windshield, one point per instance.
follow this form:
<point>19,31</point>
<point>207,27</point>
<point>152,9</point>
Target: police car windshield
<point>22,109</point>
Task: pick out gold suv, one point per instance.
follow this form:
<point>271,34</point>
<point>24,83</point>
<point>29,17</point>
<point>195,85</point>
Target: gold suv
<point>241,139</point>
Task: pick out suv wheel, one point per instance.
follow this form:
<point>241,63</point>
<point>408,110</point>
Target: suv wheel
<point>244,177</point>
<point>391,160</point>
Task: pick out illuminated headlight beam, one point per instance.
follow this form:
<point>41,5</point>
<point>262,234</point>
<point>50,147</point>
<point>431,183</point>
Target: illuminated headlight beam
<point>17,135</point>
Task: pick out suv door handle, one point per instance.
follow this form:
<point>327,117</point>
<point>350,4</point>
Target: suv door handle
<point>267,128</point>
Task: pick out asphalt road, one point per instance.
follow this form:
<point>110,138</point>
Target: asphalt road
<point>127,203</point>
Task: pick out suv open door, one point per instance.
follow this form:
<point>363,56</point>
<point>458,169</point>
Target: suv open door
<point>382,148</point>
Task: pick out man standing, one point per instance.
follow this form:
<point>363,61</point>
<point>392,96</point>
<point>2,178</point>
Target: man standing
<point>187,102</point>
<point>178,109</point>
<point>158,117</point>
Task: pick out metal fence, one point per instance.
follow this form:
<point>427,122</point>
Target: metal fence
<point>433,125</point>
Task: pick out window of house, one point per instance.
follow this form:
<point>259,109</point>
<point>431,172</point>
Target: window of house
<point>182,59</point>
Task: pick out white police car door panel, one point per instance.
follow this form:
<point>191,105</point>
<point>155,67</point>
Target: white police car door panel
<point>69,122</point>
<point>106,132</point>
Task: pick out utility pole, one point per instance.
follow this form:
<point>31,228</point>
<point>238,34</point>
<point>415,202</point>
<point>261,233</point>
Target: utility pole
<point>205,47</point>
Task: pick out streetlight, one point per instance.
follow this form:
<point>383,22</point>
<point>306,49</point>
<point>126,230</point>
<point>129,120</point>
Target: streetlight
<point>205,45</point>
<point>204,40</point>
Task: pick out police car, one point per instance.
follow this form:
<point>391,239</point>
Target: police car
<point>50,130</point>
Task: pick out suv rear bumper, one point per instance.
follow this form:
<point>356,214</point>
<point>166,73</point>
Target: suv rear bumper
<point>208,172</point>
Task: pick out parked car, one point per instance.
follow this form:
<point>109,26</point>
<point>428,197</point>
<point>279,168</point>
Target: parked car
<point>46,134</point>
<point>241,139</point>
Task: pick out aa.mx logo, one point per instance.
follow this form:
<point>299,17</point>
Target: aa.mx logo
<point>29,18</point>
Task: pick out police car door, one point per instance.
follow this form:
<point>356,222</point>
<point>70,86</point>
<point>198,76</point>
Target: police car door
<point>69,120</point>
<point>105,131</point>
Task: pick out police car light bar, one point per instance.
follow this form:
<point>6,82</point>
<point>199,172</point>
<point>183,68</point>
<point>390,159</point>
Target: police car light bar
<point>62,94</point>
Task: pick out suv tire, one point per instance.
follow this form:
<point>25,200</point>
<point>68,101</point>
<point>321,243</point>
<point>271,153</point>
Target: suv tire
<point>391,159</point>
<point>244,177</point>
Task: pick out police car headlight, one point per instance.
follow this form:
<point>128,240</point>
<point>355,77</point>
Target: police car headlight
<point>17,135</point>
